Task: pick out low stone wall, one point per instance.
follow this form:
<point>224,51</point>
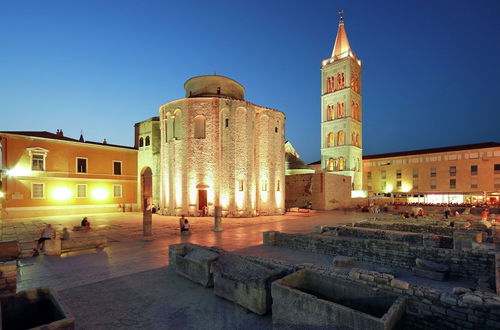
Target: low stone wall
<point>9,250</point>
<point>426,308</point>
<point>472,264</point>
<point>408,227</point>
<point>415,239</point>
<point>8,277</point>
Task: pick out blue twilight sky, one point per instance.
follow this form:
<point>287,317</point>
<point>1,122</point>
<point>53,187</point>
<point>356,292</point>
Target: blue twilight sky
<point>430,68</point>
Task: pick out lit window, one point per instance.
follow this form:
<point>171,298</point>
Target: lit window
<point>264,185</point>
<point>199,127</point>
<point>331,164</point>
<point>117,167</point>
<point>37,190</point>
<point>497,182</point>
<point>81,190</point>
<point>415,172</point>
<point>398,183</point>
<point>433,172</point>
<point>117,190</point>
<point>473,183</point>
<point>331,140</point>
<point>383,185</point>
<point>383,174</point>
<point>37,162</point>
<point>81,165</point>
<point>341,164</point>
<point>340,138</point>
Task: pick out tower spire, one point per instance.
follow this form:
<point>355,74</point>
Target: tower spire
<point>341,42</point>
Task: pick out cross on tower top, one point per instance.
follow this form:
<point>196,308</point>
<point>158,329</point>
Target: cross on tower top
<point>341,13</point>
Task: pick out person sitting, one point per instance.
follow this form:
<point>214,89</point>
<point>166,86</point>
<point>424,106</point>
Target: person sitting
<point>47,233</point>
<point>85,224</point>
<point>185,226</point>
<point>65,234</point>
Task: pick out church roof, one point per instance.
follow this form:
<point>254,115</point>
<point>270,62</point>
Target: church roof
<point>341,45</point>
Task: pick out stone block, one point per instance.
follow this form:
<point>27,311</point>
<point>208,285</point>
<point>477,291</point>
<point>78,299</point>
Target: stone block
<point>52,247</point>
<point>342,261</point>
<point>83,243</point>
<point>194,262</point>
<point>398,284</point>
<point>23,311</point>
<point>246,283</point>
<point>459,291</point>
<point>472,299</point>
<point>9,250</point>
<point>430,265</point>
<point>448,299</point>
<point>436,276</point>
<point>462,239</point>
<point>307,299</point>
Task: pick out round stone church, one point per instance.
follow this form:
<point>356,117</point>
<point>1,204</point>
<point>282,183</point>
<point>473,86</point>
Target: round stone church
<point>218,149</point>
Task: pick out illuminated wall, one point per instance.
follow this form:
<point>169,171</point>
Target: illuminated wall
<point>60,179</point>
<point>229,164</point>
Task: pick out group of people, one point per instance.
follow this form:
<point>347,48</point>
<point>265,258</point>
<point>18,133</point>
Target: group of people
<point>48,233</point>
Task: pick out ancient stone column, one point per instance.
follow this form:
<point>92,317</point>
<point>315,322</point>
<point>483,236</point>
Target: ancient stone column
<point>218,219</point>
<point>147,224</point>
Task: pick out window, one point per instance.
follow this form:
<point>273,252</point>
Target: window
<point>227,122</point>
<point>369,175</point>
<point>165,125</point>
<point>398,174</point>
<point>241,185</point>
<point>433,183</point>
<point>278,186</point>
<point>383,174</point>
<point>369,187</point>
<point>176,124</point>
<point>497,182</point>
<point>81,165</point>
<point>37,191</point>
<point>473,183</point>
<point>340,138</point>
<point>264,185</point>
<point>415,184</point>
<point>341,163</point>
<point>117,190</point>
<point>331,164</point>
<point>81,191</point>
<point>433,172</point>
<point>453,183</point>
<point>497,168</point>
<point>276,130</point>
<point>398,184</point>
<point>218,90</point>
<point>473,170</point>
<point>37,162</point>
<point>415,172</point>
<point>199,127</point>
<point>453,170</point>
<point>117,167</point>
<point>383,185</point>
<point>141,142</point>
<point>331,140</point>
<point>148,141</point>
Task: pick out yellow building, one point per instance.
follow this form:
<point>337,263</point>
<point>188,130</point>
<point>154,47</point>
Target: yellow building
<point>44,173</point>
<point>458,174</point>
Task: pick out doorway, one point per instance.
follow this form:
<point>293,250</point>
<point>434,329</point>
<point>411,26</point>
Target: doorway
<point>202,200</point>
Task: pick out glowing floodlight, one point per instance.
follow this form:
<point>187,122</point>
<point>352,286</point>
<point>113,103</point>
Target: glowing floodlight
<point>61,194</point>
<point>99,194</point>
<point>18,171</point>
<point>2,195</point>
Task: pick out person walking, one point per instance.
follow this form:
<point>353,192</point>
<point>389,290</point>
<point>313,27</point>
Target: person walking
<point>47,233</point>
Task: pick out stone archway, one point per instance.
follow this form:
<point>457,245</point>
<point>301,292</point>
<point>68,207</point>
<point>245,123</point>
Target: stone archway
<point>146,187</point>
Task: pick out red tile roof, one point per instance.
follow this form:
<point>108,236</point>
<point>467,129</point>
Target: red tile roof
<point>49,135</point>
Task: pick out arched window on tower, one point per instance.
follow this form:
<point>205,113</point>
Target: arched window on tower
<point>342,83</point>
<point>331,140</point>
<point>353,139</point>
<point>148,141</point>
<point>165,129</point>
<point>177,121</point>
<point>331,165</point>
<point>329,112</point>
<point>199,127</point>
<point>141,142</point>
<point>339,81</point>
<point>340,138</point>
<point>358,143</point>
<point>341,164</point>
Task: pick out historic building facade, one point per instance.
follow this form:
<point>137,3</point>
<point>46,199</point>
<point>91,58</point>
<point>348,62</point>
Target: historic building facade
<point>341,115</point>
<point>218,149</point>
<point>458,174</point>
<point>43,173</point>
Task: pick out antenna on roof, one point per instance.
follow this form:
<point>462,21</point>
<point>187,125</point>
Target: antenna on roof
<point>81,136</point>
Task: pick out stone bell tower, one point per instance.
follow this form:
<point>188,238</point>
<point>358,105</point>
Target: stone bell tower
<point>341,114</point>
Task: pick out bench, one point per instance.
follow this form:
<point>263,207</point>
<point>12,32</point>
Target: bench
<point>55,247</point>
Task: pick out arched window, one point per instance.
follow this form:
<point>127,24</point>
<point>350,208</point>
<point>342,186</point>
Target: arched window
<point>329,112</point>
<point>341,164</point>
<point>342,83</point>
<point>357,140</point>
<point>148,141</point>
<point>199,127</point>
<point>331,164</point>
<point>165,130</point>
<point>353,139</point>
<point>141,142</point>
<point>340,138</point>
<point>331,140</point>
<point>177,124</point>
